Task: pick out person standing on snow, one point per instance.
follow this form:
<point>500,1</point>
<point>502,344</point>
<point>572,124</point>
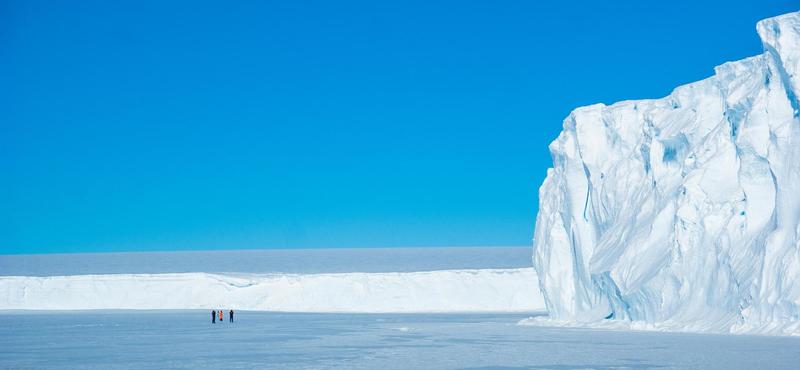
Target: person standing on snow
<point>213,317</point>
<point>230,314</point>
<point>221,315</point>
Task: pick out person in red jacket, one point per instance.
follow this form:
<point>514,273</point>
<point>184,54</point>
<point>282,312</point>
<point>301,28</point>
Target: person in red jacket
<point>221,315</point>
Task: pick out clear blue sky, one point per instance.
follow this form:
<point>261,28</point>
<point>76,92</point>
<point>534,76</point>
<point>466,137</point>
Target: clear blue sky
<point>188,125</point>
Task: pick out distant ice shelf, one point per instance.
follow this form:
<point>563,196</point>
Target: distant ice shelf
<point>480,290</point>
<point>681,213</point>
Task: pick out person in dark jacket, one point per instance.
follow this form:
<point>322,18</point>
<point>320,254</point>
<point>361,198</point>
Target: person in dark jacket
<point>230,314</point>
<point>213,317</point>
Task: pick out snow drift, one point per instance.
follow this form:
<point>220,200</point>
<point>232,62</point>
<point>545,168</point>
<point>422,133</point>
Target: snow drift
<point>484,290</point>
<point>681,213</point>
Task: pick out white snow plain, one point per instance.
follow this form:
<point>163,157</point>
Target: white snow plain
<point>261,261</point>
<point>483,290</point>
<point>681,213</point>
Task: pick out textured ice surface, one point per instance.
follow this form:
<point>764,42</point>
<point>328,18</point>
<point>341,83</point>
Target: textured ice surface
<point>681,213</point>
<point>485,290</point>
<point>188,340</point>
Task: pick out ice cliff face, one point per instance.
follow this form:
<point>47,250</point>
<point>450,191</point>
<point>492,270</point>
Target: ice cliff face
<point>682,212</point>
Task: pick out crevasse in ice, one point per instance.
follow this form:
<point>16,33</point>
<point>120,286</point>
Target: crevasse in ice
<point>683,211</point>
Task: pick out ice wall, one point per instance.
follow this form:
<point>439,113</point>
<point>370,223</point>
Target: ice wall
<point>682,212</point>
<point>483,290</point>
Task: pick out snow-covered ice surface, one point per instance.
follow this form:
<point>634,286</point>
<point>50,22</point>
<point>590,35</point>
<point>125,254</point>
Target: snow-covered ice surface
<point>682,213</point>
<point>188,340</point>
<point>425,280</point>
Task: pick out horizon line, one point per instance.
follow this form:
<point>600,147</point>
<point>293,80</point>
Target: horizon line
<point>131,251</point>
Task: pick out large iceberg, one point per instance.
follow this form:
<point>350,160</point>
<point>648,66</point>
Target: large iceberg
<point>681,213</point>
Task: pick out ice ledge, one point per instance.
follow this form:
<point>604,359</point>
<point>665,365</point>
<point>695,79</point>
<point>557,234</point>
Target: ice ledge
<point>771,329</point>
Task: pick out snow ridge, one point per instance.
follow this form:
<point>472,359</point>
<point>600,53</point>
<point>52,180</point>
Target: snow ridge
<point>682,213</point>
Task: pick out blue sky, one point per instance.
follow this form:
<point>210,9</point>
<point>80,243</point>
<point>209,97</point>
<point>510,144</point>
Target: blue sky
<point>190,125</point>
